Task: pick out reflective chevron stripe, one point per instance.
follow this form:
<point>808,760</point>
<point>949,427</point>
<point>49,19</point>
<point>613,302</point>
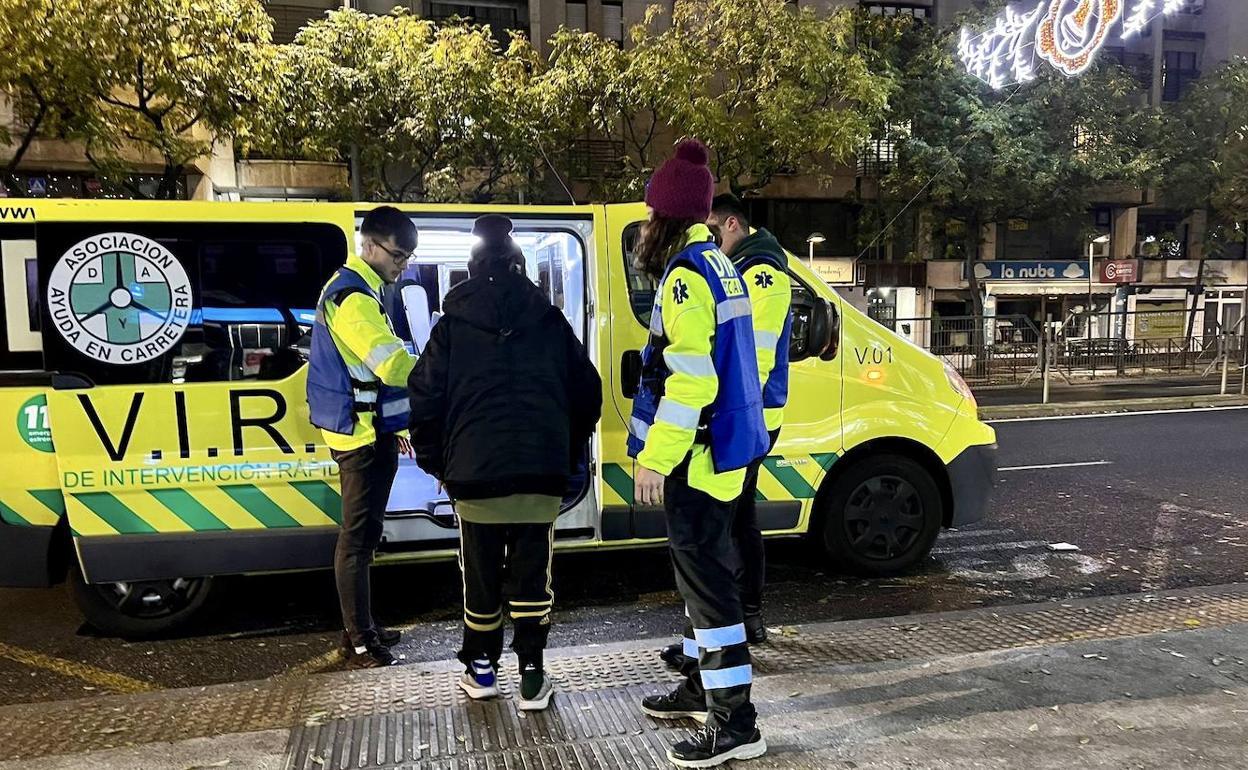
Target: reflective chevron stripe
<point>782,477</point>
<point>35,508</point>
<point>200,509</point>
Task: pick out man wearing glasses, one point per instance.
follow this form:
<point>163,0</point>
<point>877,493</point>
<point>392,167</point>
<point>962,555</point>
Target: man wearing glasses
<point>357,396</point>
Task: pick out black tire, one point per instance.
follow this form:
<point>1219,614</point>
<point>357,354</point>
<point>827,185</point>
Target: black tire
<point>141,609</point>
<point>880,516</point>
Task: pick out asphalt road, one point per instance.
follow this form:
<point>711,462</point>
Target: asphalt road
<point>1151,501</point>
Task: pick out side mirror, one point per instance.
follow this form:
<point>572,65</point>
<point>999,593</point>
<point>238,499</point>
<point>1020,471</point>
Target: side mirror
<point>822,332</point>
<point>834,332</point>
<point>630,373</point>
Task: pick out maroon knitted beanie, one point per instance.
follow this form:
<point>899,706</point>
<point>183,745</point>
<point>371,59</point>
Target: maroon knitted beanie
<point>682,187</point>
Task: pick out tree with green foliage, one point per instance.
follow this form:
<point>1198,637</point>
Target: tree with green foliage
<point>166,77</point>
<point>633,94</point>
<point>1035,151</point>
<point>1207,152</point>
<point>777,89</point>
<point>436,111</point>
<point>47,81</point>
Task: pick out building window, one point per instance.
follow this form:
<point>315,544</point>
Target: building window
<point>1178,73</point>
<point>289,18</point>
<point>878,154</point>
<point>1180,63</point>
<point>501,19</point>
<point>613,21</point>
<point>1161,235</point>
<point>75,184</point>
<point>885,8</point>
<point>576,17</point>
<point>594,159</point>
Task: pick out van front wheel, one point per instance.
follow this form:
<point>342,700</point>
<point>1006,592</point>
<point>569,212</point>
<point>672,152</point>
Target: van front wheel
<point>140,609</point>
<point>881,516</point>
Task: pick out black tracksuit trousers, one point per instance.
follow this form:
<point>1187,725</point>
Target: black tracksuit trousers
<point>706,562</point>
<point>511,563</point>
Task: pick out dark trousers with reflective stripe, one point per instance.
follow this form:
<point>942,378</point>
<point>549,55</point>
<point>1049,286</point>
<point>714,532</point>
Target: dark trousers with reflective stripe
<point>749,539</point>
<point>506,562</point>
<point>367,474</point>
<point>705,559</point>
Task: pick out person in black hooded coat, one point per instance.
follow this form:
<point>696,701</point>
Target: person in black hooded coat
<point>504,400</point>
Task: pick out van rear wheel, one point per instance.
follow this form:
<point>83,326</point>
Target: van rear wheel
<point>141,609</point>
<point>881,516</point>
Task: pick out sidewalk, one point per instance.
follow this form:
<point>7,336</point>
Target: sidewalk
<point>1167,403</point>
<point>1157,681</point>
<point>1107,389</point>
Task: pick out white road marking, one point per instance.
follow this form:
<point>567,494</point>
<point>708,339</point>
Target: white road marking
<point>958,534</point>
<point>1115,414</point>
<point>1017,545</point>
<point>1158,562</point>
<point>1172,508</point>
<point>1054,465</point>
<point>1027,566</point>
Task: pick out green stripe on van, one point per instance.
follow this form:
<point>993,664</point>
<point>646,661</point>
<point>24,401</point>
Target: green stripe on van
<point>184,505</point>
<point>791,479</point>
<point>52,499</point>
<point>323,496</point>
<point>825,459</point>
<point>10,516</point>
<point>267,512</point>
<point>619,480</point>
<point>114,513</point>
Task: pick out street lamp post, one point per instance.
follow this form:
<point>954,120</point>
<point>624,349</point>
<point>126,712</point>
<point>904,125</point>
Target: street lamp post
<point>811,240</point>
<point>1091,252</point>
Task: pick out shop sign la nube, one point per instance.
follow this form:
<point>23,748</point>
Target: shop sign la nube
<point>1030,270</point>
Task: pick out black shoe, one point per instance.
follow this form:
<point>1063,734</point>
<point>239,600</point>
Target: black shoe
<point>755,631</point>
<point>711,746</point>
<point>384,637</point>
<point>677,704</point>
<point>674,655</point>
<point>374,656</point>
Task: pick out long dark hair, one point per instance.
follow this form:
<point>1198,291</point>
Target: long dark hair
<point>659,239</point>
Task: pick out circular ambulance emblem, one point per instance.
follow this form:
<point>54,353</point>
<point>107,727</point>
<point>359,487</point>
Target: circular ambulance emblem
<point>120,298</point>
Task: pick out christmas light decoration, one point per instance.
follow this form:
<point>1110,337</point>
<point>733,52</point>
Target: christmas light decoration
<point>1065,33</point>
<point>1140,16</point>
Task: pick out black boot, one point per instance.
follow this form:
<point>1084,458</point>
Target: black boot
<point>712,746</point>
<point>677,704</point>
<point>674,656</point>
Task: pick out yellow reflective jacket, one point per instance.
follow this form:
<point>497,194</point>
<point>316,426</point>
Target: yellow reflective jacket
<point>362,333</point>
<point>771,296</point>
<point>689,326</point>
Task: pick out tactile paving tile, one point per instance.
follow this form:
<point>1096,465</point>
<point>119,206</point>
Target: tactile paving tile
<point>392,702</point>
<point>592,728</point>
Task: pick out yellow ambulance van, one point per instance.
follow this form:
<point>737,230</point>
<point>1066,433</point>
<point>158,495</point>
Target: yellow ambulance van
<point>154,431</point>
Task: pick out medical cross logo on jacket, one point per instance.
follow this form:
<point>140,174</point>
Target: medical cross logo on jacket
<point>680,292</point>
<point>764,280</point>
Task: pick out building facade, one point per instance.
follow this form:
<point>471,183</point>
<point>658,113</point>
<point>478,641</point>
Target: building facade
<point>901,275</point>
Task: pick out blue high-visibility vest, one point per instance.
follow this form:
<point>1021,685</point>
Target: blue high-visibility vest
<point>338,392</point>
<point>732,426</point>
<point>776,389</point>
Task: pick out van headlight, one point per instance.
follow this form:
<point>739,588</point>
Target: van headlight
<point>959,385</point>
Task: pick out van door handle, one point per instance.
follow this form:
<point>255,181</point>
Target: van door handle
<point>630,373</point>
